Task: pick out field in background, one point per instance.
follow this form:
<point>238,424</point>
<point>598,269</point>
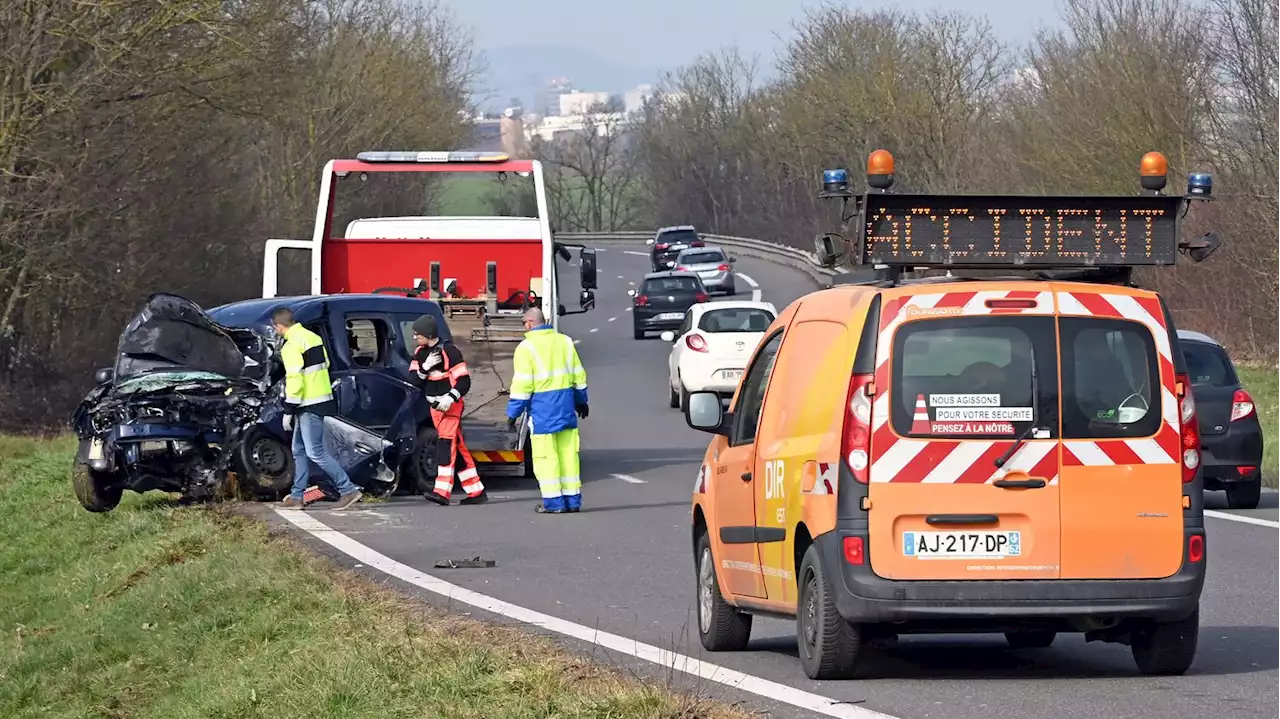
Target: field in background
<point>1263,385</point>
<point>173,613</point>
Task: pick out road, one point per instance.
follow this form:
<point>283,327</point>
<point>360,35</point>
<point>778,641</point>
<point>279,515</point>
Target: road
<point>624,565</point>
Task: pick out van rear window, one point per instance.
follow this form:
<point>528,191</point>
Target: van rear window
<point>1110,379</point>
<point>972,377</point>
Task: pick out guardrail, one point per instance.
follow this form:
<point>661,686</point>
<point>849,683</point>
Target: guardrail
<point>792,257</point>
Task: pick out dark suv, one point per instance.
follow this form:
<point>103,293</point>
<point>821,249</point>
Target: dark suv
<point>663,299</point>
<point>1230,433</point>
<point>668,243</point>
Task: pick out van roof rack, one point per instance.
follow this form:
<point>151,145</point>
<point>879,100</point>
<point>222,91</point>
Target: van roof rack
<point>1081,238</point>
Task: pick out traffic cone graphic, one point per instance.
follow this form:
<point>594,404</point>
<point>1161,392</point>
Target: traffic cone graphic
<point>920,421</point>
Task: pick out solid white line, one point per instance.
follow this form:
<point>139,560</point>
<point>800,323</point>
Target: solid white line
<point>755,286</point>
<point>1241,518</point>
<point>612,319</point>
<point>632,252</point>
<point>628,478</point>
<point>679,662</point>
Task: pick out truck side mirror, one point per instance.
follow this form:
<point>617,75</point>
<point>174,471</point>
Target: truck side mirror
<point>587,300</point>
<point>588,268</point>
<point>1199,250</point>
<point>649,241</point>
<point>825,247</point>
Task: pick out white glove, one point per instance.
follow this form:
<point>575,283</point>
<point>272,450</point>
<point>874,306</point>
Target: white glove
<point>288,422</point>
<point>443,402</point>
<point>432,360</point>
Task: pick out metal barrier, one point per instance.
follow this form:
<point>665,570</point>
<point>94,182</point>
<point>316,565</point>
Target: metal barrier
<point>792,257</point>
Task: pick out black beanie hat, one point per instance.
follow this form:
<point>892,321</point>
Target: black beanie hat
<point>426,326</point>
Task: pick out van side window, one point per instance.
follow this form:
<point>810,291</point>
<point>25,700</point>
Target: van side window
<point>972,377</point>
<point>367,342</point>
<point>746,415</point>
<point>1110,379</point>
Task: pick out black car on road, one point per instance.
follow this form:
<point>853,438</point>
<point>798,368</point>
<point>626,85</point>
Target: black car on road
<point>662,300</point>
<point>1230,433</point>
<point>668,243</point>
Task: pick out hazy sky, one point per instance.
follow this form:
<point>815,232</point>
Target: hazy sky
<point>669,33</point>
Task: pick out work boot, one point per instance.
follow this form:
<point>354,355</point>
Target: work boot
<point>542,509</point>
<point>438,498</point>
<point>291,503</point>
<point>478,499</point>
<point>347,500</point>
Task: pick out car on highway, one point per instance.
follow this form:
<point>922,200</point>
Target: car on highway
<point>1231,441</point>
<point>668,243</point>
<point>711,347</point>
<point>662,300</point>
<point>712,264</point>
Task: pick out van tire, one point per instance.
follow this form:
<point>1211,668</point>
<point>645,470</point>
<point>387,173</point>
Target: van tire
<point>1030,640</point>
<point>721,627</point>
<point>1168,648</point>
<point>1245,494</point>
<point>97,491</point>
<point>828,644</point>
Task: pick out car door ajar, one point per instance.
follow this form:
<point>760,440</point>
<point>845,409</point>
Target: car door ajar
<point>370,391</point>
<point>734,473</point>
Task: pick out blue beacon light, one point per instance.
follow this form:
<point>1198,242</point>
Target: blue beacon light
<point>835,180</point>
<point>1200,184</point>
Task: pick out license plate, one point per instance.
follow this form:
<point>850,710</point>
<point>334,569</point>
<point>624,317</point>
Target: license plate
<point>95,449</point>
<point>670,315</point>
<point>730,373</point>
<point>961,545</point>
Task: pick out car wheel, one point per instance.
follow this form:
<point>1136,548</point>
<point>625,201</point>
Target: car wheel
<point>674,399</point>
<point>97,491</point>
<point>266,465</point>
<point>1030,640</point>
<point>1168,648</point>
<point>1246,493</point>
<point>684,398</point>
<point>731,290</point>
<point>828,644</point>
<point>721,627</point>
<point>637,333</point>
<point>423,463</point>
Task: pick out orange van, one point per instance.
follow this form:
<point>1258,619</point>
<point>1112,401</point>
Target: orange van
<point>940,455</point>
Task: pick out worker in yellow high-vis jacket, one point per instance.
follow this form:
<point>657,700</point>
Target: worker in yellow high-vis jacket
<point>550,384</point>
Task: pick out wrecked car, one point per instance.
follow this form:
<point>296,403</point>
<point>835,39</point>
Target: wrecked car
<point>174,409</point>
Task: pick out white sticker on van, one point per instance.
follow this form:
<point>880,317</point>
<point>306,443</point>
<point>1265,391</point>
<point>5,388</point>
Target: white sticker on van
<point>983,414</point>
<point>964,400</point>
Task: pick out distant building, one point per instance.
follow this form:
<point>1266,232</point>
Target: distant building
<point>547,99</point>
<point>551,129</point>
<point>634,100</point>
<point>486,135</point>
<point>580,103</point>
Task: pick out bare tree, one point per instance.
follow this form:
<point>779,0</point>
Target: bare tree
<point>590,174</point>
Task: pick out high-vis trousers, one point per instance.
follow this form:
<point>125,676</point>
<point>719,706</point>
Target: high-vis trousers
<point>449,446</point>
<point>555,463</point>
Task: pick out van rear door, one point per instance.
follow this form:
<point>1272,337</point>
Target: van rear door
<point>964,445</point>
<point>1121,483</point>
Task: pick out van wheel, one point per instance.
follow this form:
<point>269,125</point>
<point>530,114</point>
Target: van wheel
<point>266,465</point>
<point>1245,494</point>
<point>97,491</point>
<point>1167,649</point>
<point>423,463</point>
<point>828,644</point>
<point>1030,640</point>
<point>721,627</point>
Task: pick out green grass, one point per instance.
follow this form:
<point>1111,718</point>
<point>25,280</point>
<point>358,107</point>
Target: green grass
<point>1264,386</point>
<point>158,611</point>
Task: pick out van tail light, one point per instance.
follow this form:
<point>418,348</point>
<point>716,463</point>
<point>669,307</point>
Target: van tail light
<point>1241,405</point>
<point>854,550</point>
<point>700,297</point>
<point>855,441</point>
<point>696,342</point>
<point>1190,430</point>
<point>724,267</point>
<point>1195,548</point>
<point>641,300</point>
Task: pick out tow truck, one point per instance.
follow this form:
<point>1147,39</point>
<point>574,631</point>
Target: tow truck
<point>483,271</point>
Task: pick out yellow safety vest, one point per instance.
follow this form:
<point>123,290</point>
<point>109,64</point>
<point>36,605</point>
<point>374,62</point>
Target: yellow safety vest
<point>306,365</point>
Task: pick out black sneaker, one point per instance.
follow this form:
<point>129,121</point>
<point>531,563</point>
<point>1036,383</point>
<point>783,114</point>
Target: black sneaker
<point>437,498</point>
<point>478,499</point>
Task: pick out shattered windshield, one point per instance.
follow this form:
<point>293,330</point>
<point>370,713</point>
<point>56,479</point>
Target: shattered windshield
<point>165,380</point>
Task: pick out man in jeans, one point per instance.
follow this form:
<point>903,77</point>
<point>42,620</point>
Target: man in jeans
<point>308,399</point>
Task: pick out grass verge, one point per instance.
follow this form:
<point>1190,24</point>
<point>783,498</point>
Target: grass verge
<point>158,611</point>
<point>1263,385</point>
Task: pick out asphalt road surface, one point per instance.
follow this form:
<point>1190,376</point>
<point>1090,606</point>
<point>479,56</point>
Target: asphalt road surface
<point>624,564</point>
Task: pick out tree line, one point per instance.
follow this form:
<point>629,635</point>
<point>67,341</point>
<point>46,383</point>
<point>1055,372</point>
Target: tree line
<point>1069,112</point>
<point>153,145</point>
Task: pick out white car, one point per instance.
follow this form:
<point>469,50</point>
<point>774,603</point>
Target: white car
<point>712,346</point>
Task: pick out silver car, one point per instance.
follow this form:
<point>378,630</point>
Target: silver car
<point>712,265</point>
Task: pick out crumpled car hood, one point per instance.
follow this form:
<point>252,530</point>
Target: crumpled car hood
<point>172,332</point>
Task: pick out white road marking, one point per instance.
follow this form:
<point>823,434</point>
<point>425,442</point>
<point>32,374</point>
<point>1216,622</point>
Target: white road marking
<point>633,252</point>
<point>632,284</point>
<point>628,309</point>
<point>600,249</point>
<point>612,319</point>
<point>593,329</point>
<point>621,277</point>
<point>679,662</point>
<point>1241,518</point>
<point>628,478</point>
<point>576,341</point>
<point>755,286</point>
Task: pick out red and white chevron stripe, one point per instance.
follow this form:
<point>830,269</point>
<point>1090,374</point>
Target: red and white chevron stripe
<point>828,478</point>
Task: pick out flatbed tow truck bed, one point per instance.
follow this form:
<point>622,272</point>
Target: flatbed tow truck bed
<point>484,417</point>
